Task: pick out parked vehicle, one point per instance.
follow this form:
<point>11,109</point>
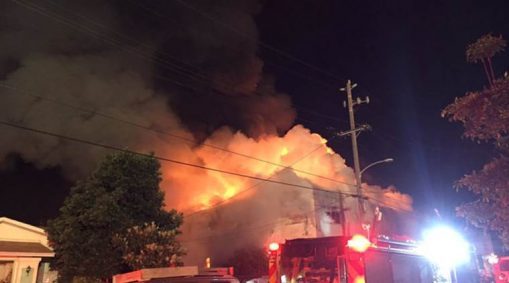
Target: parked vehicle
<point>184,274</point>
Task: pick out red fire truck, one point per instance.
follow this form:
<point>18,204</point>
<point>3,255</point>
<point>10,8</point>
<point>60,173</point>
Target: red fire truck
<point>501,270</point>
<point>348,260</point>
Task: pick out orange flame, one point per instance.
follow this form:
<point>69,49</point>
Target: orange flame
<point>192,188</point>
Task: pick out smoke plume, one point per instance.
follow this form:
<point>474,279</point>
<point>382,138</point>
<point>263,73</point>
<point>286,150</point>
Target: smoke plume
<point>170,68</point>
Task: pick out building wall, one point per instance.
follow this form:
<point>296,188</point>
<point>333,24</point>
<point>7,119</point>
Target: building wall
<point>25,265</point>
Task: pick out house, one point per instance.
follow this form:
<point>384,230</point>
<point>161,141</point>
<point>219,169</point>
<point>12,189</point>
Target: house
<point>24,253</point>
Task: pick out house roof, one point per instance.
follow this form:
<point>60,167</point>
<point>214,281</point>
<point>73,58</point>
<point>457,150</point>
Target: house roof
<point>23,247</point>
<point>22,225</point>
<point>19,239</point>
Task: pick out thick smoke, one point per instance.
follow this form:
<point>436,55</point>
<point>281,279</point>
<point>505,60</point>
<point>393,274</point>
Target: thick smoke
<point>164,66</point>
<point>118,58</point>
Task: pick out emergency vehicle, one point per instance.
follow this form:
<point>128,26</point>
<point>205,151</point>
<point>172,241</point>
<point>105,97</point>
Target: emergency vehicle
<point>349,260</point>
<point>501,270</point>
<point>182,274</point>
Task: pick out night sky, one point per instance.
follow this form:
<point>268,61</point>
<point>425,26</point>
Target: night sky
<point>407,56</point>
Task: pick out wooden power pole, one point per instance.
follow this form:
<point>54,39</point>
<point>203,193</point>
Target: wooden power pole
<point>350,103</point>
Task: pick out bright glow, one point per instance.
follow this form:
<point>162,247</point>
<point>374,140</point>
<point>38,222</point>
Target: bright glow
<point>445,247</point>
<point>492,259</point>
<point>359,279</point>
<point>273,247</point>
<point>359,243</point>
<point>283,278</point>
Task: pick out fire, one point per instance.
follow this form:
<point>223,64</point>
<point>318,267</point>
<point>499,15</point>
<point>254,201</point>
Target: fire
<point>227,189</point>
<point>190,188</point>
<point>257,212</point>
<point>229,186</point>
<point>230,192</point>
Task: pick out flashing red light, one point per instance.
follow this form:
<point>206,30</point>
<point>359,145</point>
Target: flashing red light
<point>358,243</point>
<point>273,247</point>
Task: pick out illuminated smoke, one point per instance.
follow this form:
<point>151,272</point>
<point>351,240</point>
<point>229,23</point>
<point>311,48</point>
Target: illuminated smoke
<point>41,56</point>
<point>260,211</point>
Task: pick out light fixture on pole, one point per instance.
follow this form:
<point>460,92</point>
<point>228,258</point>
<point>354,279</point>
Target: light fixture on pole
<point>387,160</point>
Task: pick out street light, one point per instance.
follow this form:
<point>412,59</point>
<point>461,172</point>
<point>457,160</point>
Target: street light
<point>387,160</point>
<point>359,181</point>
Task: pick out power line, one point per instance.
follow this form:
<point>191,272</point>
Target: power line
<point>290,71</point>
<point>83,28</point>
<point>192,74</point>
<point>318,114</point>
<point>110,147</point>
<point>220,203</point>
<point>47,133</point>
<point>184,139</point>
<point>261,43</point>
<point>92,112</point>
<point>97,34</point>
<point>133,40</point>
<point>65,21</point>
<point>286,69</point>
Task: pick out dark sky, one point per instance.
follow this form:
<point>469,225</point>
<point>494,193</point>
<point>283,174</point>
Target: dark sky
<point>407,56</point>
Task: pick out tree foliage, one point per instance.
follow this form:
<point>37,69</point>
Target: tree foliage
<point>483,50</point>
<point>121,193</point>
<point>485,116</point>
<point>485,47</point>
<point>148,246</point>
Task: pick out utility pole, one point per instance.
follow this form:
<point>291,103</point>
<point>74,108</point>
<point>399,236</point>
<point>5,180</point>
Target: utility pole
<point>350,103</point>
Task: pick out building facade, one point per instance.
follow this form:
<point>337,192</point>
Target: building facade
<point>24,253</point>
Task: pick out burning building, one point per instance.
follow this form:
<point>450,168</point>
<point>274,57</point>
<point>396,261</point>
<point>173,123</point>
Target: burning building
<point>186,89</point>
<point>303,190</point>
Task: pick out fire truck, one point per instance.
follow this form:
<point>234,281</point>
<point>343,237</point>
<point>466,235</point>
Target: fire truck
<point>501,270</point>
<point>349,260</point>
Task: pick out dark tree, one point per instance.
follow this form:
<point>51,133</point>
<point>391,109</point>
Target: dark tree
<point>483,50</point>
<point>149,246</point>
<point>485,116</point>
<point>121,193</point>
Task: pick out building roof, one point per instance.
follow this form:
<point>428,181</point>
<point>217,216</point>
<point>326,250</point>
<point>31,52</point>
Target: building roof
<point>18,239</point>
<point>24,248</point>
<point>22,225</point>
